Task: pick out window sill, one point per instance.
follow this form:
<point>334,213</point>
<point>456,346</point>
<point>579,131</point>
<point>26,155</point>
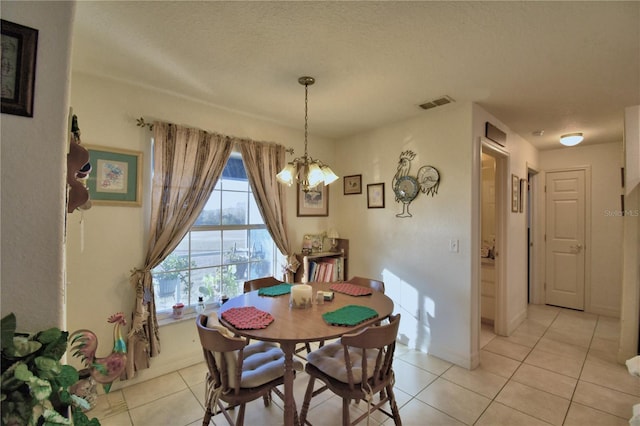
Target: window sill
<point>168,319</point>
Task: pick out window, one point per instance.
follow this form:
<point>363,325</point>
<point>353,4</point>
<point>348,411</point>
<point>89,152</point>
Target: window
<point>227,245</point>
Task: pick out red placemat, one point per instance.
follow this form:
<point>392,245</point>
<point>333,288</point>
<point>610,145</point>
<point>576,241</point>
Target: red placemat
<point>351,289</point>
<point>247,318</point>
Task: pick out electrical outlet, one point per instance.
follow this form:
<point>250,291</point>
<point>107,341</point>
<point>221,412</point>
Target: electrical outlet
<point>454,246</point>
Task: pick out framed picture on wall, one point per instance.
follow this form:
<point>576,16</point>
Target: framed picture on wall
<point>523,193</point>
<point>19,46</point>
<point>352,184</point>
<point>375,195</point>
<point>315,202</point>
<point>115,178</point>
<point>515,193</point>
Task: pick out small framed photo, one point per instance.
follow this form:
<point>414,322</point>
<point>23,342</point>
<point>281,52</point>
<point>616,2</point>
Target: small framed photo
<point>352,184</point>
<point>375,195</point>
<point>515,193</point>
<point>523,193</point>
<point>19,46</point>
<point>315,202</point>
<point>115,178</point>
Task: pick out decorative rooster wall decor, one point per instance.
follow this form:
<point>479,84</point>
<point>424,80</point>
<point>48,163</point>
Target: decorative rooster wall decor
<point>103,370</point>
<point>406,187</point>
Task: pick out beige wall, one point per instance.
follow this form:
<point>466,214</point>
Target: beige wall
<point>604,288</point>
<point>412,255</point>
<point>33,175</point>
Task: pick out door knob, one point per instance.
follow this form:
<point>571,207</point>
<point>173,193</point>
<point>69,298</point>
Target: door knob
<point>576,248</point>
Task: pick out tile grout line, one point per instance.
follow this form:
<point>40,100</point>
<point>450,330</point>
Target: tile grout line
<point>510,378</point>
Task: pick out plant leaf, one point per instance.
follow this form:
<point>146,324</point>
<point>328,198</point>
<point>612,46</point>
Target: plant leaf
<point>40,388</point>
<point>81,419</point>
<point>50,335</point>
<point>7,330</point>
<point>23,347</point>
<point>48,368</point>
<point>68,376</point>
<point>53,418</point>
<point>56,348</point>
<point>22,372</point>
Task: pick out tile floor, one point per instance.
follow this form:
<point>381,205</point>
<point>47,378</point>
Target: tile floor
<point>557,368</point>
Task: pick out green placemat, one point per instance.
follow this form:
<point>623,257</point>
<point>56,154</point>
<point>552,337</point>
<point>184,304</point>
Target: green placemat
<point>275,290</point>
<point>349,315</point>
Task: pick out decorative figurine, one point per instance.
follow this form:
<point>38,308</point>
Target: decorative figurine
<point>103,370</point>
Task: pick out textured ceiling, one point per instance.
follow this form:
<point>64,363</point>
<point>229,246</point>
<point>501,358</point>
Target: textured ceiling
<point>554,66</point>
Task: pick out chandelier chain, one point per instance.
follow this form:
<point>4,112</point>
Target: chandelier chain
<point>306,116</point>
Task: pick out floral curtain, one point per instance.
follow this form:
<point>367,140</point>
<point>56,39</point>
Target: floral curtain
<point>187,165</point>
<point>263,161</point>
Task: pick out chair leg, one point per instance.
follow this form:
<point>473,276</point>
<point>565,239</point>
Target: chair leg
<point>267,398</point>
<point>240,417</point>
<point>207,417</point>
<point>394,406</point>
<point>346,420</point>
<point>307,400</point>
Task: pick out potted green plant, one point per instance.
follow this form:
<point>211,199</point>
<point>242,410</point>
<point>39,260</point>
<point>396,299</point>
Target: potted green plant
<point>171,271</point>
<point>35,385</point>
<point>238,258</point>
<point>220,285</point>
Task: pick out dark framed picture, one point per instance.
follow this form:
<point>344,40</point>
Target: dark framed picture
<point>375,195</point>
<point>515,193</point>
<point>115,178</point>
<point>315,202</point>
<point>19,46</point>
<point>523,193</point>
<point>352,184</point>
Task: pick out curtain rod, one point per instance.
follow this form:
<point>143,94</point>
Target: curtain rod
<point>141,123</point>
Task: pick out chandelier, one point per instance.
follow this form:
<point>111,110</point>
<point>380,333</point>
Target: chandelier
<point>308,172</point>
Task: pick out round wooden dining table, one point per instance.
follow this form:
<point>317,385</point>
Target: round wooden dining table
<point>292,326</point>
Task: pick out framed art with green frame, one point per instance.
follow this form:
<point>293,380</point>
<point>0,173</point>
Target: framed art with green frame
<point>115,177</point>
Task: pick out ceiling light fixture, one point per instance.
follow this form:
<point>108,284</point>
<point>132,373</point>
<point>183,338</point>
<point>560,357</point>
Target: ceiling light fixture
<point>571,139</point>
<point>308,172</point>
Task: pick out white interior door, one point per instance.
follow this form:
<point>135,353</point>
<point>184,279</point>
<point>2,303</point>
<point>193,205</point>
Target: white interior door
<point>565,238</point>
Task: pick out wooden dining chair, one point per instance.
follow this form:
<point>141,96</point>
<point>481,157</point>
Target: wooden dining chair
<point>342,364</point>
<point>259,283</point>
<point>238,372</point>
<point>375,285</point>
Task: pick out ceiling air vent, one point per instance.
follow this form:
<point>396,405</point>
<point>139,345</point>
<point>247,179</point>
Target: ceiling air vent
<point>443,100</point>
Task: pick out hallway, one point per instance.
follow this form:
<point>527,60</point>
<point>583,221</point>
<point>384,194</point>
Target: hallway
<point>557,368</point>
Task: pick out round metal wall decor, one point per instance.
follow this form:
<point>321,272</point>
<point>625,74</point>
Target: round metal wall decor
<point>406,188</point>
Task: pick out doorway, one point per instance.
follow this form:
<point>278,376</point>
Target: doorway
<point>532,237</point>
<point>493,202</point>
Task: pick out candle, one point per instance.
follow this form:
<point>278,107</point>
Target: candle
<point>305,270</point>
<point>301,295</point>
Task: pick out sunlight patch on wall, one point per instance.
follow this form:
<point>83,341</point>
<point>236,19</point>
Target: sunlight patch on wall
<point>415,329</point>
